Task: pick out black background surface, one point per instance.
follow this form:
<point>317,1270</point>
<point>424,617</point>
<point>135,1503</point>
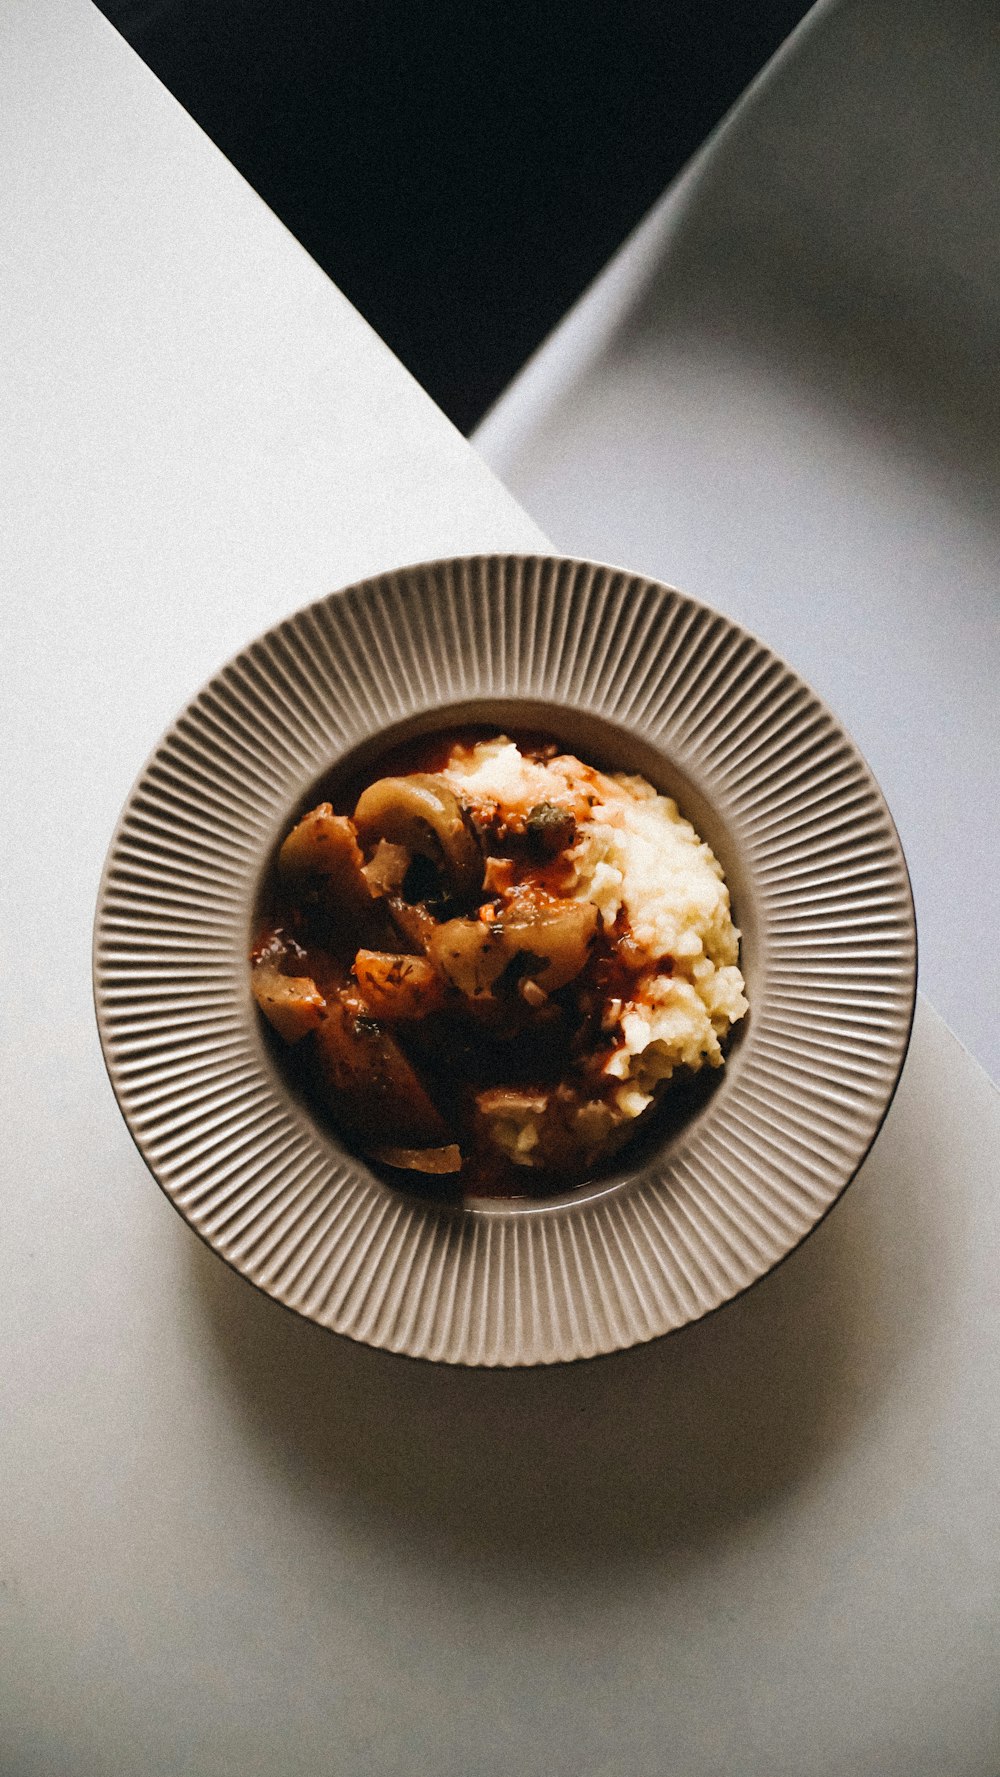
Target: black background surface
<point>461,170</point>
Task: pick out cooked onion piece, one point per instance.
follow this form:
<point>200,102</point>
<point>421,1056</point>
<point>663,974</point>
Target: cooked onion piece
<point>430,1160</point>
<point>387,870</point>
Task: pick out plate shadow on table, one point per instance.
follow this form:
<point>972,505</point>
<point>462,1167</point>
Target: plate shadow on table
<point>646,1456</point>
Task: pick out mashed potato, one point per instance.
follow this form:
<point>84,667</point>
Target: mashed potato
<point>651,877</point>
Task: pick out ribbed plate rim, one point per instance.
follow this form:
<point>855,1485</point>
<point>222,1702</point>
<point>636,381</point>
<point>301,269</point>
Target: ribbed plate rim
<point>506,1350</point>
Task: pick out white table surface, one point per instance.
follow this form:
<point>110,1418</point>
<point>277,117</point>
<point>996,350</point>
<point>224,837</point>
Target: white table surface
<point>230,1544</point>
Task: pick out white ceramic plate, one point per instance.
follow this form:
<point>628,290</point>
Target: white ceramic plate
<point>622,669</point>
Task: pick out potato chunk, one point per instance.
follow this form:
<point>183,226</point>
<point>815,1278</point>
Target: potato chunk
<point>397,987</point>
<point>292,1003</point>
<point>372,1087</point>
<point>324,845</point>
<point>558,933</point>
<point>553,937</point>
<point>470,954</point>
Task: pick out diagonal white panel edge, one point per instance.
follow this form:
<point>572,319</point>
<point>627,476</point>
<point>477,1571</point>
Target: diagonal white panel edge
<point>781,395</point>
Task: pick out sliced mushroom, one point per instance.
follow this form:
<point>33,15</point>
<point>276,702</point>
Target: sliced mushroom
<point>516,1102</point>
<point>372,1087</point>
<point>422,813</point>
<point>397,987</point>
<point>292,1003</point>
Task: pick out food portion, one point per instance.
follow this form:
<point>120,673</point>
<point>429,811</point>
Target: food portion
<point>491,971</point>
